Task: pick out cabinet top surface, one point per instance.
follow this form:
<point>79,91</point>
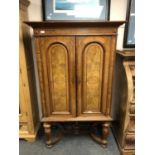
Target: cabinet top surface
<point>127,54</point>
<point>57,23</point>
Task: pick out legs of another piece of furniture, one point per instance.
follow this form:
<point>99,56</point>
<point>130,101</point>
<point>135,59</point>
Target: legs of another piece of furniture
<point>104,135</point>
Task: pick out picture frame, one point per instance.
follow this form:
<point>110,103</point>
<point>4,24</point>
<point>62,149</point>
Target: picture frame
<point>129,33</point>
<point>76,9</point>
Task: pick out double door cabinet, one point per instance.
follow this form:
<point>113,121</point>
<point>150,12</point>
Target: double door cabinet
<point>75,65</point>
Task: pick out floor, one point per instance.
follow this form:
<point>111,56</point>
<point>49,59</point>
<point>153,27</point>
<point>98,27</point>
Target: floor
<point>70,144</point>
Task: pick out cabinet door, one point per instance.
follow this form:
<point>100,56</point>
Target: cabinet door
<point>93,57</point>
<point>58,64</point>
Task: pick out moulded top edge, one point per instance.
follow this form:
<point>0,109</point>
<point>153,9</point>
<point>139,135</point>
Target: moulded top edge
<point>76,23</point>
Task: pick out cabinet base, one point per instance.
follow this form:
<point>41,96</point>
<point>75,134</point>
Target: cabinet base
<point>76,119</point>
<point>28,137</point>
<point>50,140</point>
<point>127,152</point>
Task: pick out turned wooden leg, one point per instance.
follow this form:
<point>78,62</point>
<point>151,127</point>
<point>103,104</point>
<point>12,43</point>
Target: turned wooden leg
<point>76,128</point>
<point>48,134</point>
<point>105,133</point>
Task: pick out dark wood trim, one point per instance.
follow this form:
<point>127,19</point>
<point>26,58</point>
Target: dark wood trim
<point>126,54</point>
<point>76,23</point>
<point>125,45</point>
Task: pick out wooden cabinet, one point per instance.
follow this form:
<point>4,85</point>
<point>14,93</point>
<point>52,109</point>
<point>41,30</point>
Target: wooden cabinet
<point>124,102</point>
<point>75,66</point>
<point>28,108</point>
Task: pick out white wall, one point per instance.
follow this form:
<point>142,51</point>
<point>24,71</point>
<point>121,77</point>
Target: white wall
<point>35,10</point>
<point>117,12</point>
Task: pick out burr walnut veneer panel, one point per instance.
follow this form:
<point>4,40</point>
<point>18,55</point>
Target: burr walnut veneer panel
<point>93,58</point>
<point>58,61</point>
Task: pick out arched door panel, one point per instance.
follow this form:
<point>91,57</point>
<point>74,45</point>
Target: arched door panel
<point>92,65</point>
<point>58,61</point>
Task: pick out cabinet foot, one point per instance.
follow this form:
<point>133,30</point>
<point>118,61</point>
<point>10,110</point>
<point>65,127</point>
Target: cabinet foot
<point>104,135</point>
<point>48,134</point>
<point>49,146</point>
<point>50,140</point>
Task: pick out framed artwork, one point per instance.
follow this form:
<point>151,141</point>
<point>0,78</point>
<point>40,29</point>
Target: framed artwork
<point>76,9</point>
<point>129,34</point>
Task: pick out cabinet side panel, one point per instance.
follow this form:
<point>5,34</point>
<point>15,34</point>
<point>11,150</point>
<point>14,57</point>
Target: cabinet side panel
<point>110,74</point>
<point>40,74</point>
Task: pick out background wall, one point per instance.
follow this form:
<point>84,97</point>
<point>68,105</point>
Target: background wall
<point>117,12</point>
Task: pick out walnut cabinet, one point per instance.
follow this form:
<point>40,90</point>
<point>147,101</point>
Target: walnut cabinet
<point>75,64</point>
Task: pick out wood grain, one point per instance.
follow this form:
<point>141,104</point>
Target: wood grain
<point>57,59</point>
<point>28,117</point>
<point>75,64</point>
<point>124,126</point>
<point>58,73</point>
<point>93,55</point>
<point>75,23</point>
